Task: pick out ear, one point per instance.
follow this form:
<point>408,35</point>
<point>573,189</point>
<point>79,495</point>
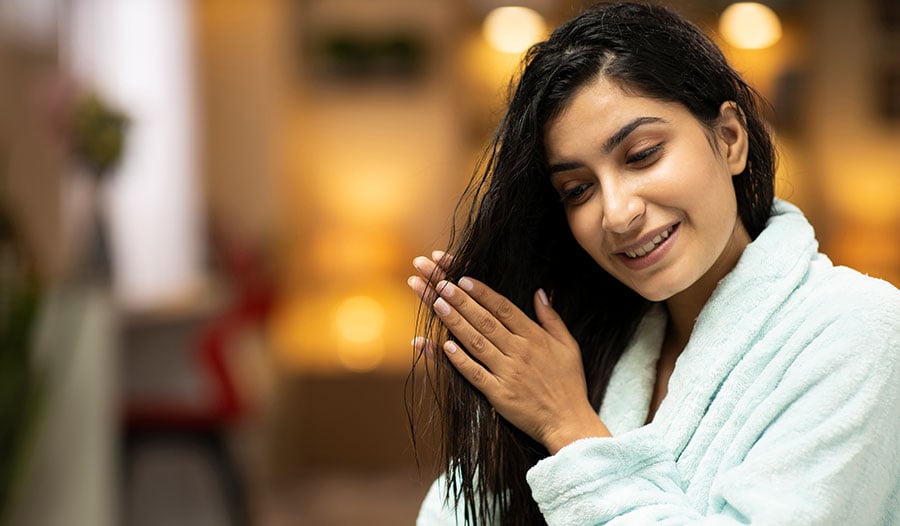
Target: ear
<point>732,137</point>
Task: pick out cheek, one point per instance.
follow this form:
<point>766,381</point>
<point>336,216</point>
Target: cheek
<point>578,227</point>
<point>585,228</point>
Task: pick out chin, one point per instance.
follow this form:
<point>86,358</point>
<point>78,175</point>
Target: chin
<point>653,296</point>
<point>656,294</point>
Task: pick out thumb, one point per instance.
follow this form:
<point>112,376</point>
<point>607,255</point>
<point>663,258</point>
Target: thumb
<point>549,318</point>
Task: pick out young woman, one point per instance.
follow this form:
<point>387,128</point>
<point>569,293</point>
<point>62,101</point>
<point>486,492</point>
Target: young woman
<point>625,257</point>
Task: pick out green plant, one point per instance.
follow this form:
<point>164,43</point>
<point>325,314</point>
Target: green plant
<point>98,134</point>
<point>20,387</point>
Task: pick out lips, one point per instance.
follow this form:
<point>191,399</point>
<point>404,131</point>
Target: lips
<point>649,246</point>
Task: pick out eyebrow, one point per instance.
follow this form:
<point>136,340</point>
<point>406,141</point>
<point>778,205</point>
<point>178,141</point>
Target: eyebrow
<point>611,143</point>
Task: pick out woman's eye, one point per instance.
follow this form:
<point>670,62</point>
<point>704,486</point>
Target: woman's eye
<point>574,194</point>
<point>645,156</point>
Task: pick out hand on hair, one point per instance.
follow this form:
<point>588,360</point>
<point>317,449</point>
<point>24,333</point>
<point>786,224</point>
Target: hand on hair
<point>530,372</point>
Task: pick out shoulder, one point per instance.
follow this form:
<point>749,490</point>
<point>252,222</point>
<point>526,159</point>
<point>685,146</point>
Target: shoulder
<point>838,364</point>
<point>847,299</point>
<point>850,326</point>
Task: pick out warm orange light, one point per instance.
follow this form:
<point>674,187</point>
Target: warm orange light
<point>328,330</point>
<point>513,29</point>
<point>359,319</point>
<point>361,357</point>
<point>865,193</point>
<point>360,323</point>
<point>335,252</point>
<point>373,185</point>
<point>750,25</point>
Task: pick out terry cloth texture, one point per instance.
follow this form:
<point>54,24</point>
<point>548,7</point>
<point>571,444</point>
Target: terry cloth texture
<point>784,408</point>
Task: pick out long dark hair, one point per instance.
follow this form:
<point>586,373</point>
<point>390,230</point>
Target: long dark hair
<point>515,237</point>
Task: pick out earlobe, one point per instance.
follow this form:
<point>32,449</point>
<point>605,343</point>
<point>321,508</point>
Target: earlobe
<point>733,137</point>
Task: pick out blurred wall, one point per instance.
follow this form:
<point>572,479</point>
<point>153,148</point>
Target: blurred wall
<point>852,142</point>
<point>243,93</point>
<point>31,156</point>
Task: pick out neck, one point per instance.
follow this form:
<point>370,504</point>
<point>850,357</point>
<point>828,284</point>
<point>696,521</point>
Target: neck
<point>682,315</point>
<point>685,307</point>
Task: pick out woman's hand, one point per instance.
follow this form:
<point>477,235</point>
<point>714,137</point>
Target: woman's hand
<point>531,373</point>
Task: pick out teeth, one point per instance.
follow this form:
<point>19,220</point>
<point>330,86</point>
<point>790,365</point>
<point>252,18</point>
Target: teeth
<point>646,249</point>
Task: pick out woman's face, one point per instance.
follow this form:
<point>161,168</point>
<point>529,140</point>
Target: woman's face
<point>647,189</point>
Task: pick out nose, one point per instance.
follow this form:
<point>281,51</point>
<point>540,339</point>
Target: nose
<point>622,209</point>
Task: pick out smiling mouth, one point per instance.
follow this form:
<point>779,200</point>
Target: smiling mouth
<point>651,245</point>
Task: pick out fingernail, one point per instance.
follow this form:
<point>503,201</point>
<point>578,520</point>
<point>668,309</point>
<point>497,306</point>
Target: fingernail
<point>438,255</point>
<point>466,284</point>
<point>420,261</point>
<point>415,283</point>
<point>423,345</point>
<point>441,307</point>
<point>543,297</point>
<point>445,289</point>
<point>450,347</point>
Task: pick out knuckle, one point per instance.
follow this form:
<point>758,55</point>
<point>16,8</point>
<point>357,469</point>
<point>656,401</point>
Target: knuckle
<point>512,396</point>
<point>504,309</point>
<point>524,356</point>
<point>522,348</point>
<point>478,376</point>
<point>478,344</point>
<point>452,320</point>
<point>486,324</point>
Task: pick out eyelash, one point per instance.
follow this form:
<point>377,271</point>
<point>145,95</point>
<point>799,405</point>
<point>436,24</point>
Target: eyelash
<point>643,155</point>
<point>572,196</point>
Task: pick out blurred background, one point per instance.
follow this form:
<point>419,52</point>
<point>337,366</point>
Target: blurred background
<point>209,208</point>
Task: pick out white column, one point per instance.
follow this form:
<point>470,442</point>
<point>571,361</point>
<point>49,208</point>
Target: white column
<point>137,54</point>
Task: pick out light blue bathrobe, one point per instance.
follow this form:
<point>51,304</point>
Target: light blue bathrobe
<point>784,408</point>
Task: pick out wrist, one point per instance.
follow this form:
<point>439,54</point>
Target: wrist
<point>591,427</point>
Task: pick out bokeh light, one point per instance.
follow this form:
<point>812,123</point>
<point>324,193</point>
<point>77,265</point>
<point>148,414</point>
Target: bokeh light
<point>360,319</point>
<point>514,29</point>
<point>750,25</point>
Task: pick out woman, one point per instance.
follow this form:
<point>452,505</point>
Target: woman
<point>625,256</point>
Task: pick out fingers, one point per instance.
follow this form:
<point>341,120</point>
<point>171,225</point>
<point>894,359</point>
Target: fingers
<point>477,301</point>
<point>486,323</point>
<point>433,271</point>
<point>429,269</point>
<point>442,258</point>
<point>424,346</point>
<point>469,322</point>
<point>549,318</point>
<point>474,326</point>
<point>488,307</point>
<point>470,369</point>
<point>475,373</point>
<point>423,289</point>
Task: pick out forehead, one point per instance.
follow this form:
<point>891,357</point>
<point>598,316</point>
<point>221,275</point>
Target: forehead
<point>599,109</point>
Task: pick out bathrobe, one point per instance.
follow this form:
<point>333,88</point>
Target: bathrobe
<point>783,408</point>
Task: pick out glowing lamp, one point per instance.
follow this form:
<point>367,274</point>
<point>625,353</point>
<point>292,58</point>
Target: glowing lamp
<point>513,29</point>
<point>359,321</point>
<point>750,25</point>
